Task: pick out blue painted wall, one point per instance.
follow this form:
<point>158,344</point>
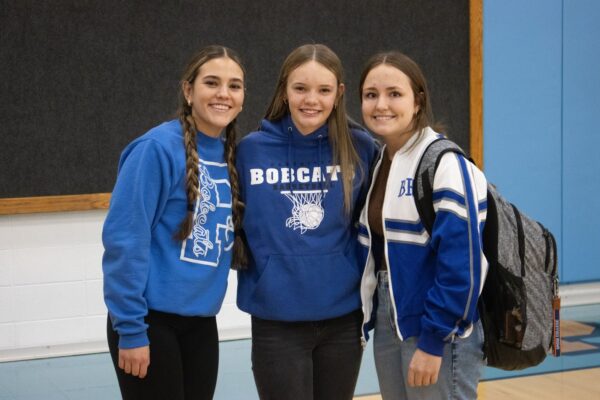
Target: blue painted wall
<point>581,140</point>
<point>541,94</point>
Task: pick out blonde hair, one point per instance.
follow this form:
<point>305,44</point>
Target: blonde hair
<point>340,139</point>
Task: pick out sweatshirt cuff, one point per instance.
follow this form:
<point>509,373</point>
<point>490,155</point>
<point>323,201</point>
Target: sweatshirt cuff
<point>431,344</point>
<point>133,341</point>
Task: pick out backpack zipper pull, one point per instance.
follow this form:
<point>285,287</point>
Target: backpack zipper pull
<point>556,341</point>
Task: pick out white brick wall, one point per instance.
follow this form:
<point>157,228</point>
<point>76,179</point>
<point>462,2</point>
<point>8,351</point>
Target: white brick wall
<point>51,285</point>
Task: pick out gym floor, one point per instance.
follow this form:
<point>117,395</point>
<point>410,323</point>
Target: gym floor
<point>573,375</point>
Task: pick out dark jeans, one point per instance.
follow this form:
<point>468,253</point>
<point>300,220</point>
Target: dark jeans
<point>307,360</point>
<point>184,359</point>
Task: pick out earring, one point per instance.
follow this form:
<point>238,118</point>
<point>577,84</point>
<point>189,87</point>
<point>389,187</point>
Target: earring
<point>285,101</point>
<point>189,103</point>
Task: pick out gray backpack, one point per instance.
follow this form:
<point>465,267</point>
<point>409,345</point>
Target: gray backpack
<point>519,306</point>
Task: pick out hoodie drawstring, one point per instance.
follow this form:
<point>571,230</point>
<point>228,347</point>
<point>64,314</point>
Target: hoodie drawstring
<point>324,183</point>
<point>323,170</point>
<point>290,155</point>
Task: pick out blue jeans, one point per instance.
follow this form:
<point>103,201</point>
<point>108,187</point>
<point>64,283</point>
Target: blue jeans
<point>462,362</point>
<point>316,360</point>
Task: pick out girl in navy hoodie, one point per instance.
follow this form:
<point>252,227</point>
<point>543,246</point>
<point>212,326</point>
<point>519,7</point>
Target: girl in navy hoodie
<point>302,176</point>
<point>168,238</point>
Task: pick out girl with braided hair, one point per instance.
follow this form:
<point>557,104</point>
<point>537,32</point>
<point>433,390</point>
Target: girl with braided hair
<point>168,237</point>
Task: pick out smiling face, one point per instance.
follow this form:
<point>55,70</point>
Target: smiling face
<point>388,104</point>
<point>311,93</point>
<point>216,95</point>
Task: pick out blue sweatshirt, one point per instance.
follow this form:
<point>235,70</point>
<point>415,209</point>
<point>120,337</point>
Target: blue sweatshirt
<point>304,264</point>
<point>144,267</point>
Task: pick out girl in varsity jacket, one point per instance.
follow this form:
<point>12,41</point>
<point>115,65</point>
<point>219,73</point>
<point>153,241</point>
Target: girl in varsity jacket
<point>168,238</point>
<point>419,292</point>
<point>302,176</point>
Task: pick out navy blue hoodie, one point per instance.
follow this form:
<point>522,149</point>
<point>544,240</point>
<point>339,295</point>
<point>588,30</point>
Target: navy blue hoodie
<point>303,244</point>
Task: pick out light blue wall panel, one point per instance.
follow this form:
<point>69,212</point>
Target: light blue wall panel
<point>581,140</point>
<point>522,47</point>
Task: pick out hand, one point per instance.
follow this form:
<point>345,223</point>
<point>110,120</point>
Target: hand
<point>423,369</point>
<point>135,361</point>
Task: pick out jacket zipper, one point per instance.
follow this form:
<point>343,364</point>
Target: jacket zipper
<point>385,251</point>
<point>363,339</point>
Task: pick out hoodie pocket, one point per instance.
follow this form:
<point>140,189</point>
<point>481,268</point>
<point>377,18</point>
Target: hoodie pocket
<point>308,287</point>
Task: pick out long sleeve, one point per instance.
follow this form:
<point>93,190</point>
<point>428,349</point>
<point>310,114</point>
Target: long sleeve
<point>140,193</point>
<point>459,198</point>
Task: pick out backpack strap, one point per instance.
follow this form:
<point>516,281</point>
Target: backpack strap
<point>423,180</point>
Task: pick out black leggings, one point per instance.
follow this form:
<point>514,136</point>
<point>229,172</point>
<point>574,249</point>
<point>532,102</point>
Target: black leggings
<point>184,359</point>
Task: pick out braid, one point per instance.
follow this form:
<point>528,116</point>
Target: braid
<point>184,114</point>
<point>191,172</point>
<point>240,251</point>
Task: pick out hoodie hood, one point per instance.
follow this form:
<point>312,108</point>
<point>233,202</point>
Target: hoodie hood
<point>285,129</point>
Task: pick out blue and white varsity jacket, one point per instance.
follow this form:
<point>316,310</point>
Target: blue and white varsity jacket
<point>434,281</point>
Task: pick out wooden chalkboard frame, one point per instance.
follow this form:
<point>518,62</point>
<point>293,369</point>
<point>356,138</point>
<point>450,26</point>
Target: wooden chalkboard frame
<point>42,204</point>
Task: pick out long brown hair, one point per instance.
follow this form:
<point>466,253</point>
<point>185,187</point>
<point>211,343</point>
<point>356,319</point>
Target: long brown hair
<point>418,83</point>
<point>340,139</point>
<point>184,114</point>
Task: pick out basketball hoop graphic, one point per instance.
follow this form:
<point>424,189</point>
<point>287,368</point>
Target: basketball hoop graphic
<point>307,212</point>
